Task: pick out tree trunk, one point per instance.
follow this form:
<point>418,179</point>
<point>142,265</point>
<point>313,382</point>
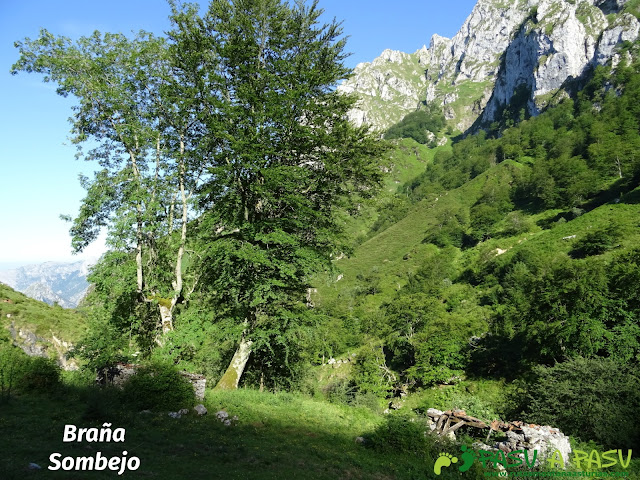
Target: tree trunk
<point>231,377</point>
<point>166,315</point>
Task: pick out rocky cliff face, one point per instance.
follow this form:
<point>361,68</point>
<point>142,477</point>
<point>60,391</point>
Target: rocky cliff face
<point>531,45</point>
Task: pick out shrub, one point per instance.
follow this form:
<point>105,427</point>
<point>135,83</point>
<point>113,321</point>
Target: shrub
<point>39,374</point>
<point>158,387</point>
<point>9,370</point>
<point>370,373</point>
<point>593,399</point>
<point>400,433</point>
<point>597,242</point>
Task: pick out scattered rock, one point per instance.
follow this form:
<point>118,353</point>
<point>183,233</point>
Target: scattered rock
<point>222,415</point>
<point>175,415</point>
<point>183,411</point>
<point>200,409</point>
<point>224,418</point>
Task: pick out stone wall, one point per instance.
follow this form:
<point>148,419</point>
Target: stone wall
<point>118,374</point>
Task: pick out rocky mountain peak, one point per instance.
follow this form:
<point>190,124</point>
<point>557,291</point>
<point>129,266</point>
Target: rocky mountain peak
<point>501,47</point>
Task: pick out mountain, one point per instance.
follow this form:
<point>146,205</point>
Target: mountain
<point>524,52</point>
<point>51,282</point>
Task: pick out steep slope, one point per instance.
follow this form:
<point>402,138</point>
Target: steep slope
<point>37,328</point>
<point>530,47</point>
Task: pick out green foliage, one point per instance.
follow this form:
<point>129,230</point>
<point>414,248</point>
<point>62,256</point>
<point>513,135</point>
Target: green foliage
<point>589,398</point>
<point>158,386</point>
<point>467,396</point>
<point>10,365</point>
<point>400,433</point>
<point>297,167</point>
<point>370,372</point>
<point>39,374</point>
<point>416,125</point>
<point>597,242</point>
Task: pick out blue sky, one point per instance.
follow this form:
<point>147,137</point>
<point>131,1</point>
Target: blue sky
<point>38,172</point>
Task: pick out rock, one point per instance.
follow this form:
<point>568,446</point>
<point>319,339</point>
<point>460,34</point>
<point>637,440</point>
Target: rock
<point>175,415</point>
<point>501,47</point>
<point>360,440</point>
<point>145,411</point>
<point>200,409</point>
<point>183,411</point>
<point>198,382</point>
<point>222,415</point>
<point>34,466</point>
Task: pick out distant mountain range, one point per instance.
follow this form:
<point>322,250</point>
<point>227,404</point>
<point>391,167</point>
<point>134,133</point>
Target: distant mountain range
<point>51,282</point>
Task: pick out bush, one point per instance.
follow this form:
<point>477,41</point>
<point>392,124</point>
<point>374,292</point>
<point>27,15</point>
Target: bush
<point>597,242</point>
<point>370,373</point>
<point>9,370</point>
<point>593,399</point>
<point>400,433</point>
<point>39,374</point>
<point>158,387</point>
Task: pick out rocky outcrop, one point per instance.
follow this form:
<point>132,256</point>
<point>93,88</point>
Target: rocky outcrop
<point>531,46</point>
<point>559,41</point>
<point>38,346</point>
<point>389,87</point>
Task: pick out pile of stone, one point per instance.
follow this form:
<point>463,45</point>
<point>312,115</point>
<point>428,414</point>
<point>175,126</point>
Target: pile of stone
<point>519,435</point>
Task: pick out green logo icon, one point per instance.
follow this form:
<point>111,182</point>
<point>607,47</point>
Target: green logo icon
<point>468,456</point>
<point>444,460</point>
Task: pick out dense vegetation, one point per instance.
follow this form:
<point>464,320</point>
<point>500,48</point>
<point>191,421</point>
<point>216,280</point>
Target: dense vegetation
<point>498,273</point>
<point>519,253</point>
<point>421,125</point>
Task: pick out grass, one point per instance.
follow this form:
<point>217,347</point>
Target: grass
<point>38,317</point>
<point>277,436</point>
<point>399,249</point>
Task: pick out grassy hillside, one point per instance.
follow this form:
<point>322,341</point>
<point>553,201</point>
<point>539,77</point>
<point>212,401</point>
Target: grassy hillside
<point>38,317</point>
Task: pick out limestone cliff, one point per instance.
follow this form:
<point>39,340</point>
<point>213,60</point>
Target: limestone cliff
<point>534,45</point>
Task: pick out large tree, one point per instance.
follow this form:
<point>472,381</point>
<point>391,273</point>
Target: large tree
<point>139,110</point>
<point>288,165</point>
<point>239,109</point>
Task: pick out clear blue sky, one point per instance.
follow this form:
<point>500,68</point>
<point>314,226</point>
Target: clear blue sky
<point>38,172</point>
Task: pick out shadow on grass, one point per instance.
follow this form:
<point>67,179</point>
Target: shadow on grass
<point>277,436</point>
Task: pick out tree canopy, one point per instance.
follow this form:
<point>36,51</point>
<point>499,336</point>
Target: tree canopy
<point>230,127</point>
